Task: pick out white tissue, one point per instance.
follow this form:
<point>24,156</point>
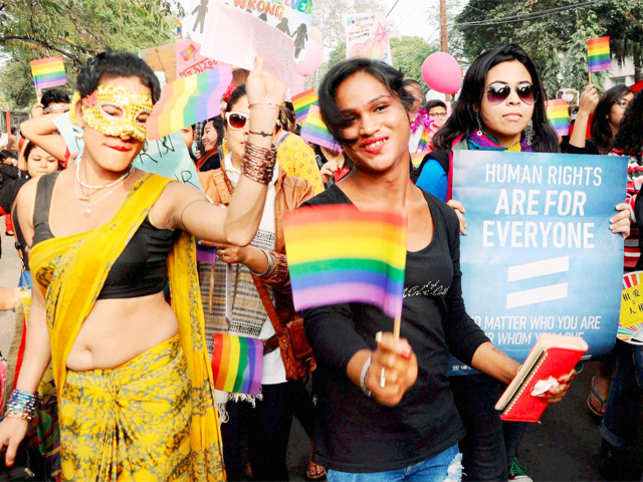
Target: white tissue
<point>543,386</point>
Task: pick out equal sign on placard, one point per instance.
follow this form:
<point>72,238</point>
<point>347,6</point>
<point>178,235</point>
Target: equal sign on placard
<point>537,269</point>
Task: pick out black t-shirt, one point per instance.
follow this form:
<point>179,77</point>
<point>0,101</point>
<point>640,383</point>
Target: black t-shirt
<point>355,433</point>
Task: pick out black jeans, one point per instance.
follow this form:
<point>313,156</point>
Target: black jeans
<point>267,429</point>
<point>489,443</point>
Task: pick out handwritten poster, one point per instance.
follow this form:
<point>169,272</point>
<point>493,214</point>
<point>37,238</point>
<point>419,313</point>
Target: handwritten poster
<point>189,60</point>
<point>168,156</point>
<point>630,328</point>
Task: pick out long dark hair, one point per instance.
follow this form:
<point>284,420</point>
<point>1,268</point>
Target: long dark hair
<point>601,131</point>
<point>465,118</point>
<point>629,138</point>
<point>392,78</point>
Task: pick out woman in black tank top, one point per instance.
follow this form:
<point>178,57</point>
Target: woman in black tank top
<point>104,239</point>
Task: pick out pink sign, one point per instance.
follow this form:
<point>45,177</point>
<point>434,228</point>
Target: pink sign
<point>189,60</point>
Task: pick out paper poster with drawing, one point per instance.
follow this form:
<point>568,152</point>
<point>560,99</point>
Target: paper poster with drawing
<point>291,17</point>
<point>367,35</point>
<point>236,37</point>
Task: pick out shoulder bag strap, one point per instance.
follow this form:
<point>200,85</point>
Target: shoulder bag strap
<point>268,305</point>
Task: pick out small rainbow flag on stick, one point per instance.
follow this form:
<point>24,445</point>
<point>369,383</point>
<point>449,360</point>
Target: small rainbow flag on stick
<point>558,115</point>
<point>48,72</point>
<point>598,54</point>
<point>315,131</point>
<point>237,363</point>
<point>189,100</point>
<point>302,103</point>
<point>327,269</point>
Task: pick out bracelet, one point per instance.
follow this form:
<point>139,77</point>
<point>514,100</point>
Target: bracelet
<point>260,133</point>
<point>270,261</point>
<point>254,104</point>
<point>22,405</point>
<point>259,163</point>
<point>362,376</point>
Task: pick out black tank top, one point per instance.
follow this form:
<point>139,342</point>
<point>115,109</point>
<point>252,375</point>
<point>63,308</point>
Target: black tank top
<point>140,270</point>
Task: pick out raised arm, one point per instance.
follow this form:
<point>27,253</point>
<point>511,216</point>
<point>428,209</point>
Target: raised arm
<point>188,209</point>
<point>587,104</point>
<point>43,132</point>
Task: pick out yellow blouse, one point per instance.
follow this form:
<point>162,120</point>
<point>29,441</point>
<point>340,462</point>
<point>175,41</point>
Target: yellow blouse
<point>296,158</point>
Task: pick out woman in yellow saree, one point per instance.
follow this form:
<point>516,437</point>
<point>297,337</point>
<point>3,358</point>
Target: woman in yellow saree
<point>131,370</point>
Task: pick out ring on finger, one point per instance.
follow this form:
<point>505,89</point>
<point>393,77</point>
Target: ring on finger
<point>383,377</point>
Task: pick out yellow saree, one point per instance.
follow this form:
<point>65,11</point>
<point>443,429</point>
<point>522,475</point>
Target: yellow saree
<point>70,272</point>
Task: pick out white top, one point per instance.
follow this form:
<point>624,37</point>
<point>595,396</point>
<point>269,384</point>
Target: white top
<point>273,366</point>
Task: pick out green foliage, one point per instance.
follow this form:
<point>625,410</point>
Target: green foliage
<point>408,55</point>
<point>75,29</point>
<point>556,42</point>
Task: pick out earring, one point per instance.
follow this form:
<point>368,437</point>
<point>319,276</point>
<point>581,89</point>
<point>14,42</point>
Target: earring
<point>479,131</point>
<point>529,133</point>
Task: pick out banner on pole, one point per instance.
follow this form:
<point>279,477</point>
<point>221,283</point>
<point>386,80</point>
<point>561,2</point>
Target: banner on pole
<point>539,255</point>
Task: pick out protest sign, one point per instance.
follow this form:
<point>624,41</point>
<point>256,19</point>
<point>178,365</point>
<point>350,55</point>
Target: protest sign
<point>539,255</point>
<point>291,17</point>
<point>235,37</point>
<point>162,59</point>
<point>630,328</point>
<point>168,156</point>
<point>367,36</point>
<point>189,60</point>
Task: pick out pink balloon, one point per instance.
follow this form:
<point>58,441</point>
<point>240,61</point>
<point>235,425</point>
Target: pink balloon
<point>441,72</point>
<point>312,58</point>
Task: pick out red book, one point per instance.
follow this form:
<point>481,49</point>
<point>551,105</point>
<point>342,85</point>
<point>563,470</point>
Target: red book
<point>552,356</point>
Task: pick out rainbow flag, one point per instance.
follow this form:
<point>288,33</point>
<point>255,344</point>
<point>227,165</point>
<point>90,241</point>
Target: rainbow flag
<point>189,100</point>
<point>315,131</point>
<point>237,363</point>
<point>558,115</point>
<point>338,254</point>
<point>598,54</point>
<point>48,72</point>
<point>302,103</point>
<point>422,148</point>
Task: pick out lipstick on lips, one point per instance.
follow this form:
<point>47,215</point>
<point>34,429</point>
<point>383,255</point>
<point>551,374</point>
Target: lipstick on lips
<point>119,148</point>
<point>373,145</point>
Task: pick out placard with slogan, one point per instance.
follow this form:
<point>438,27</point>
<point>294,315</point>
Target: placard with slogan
<point>539,256</point>
<point>167,156</point>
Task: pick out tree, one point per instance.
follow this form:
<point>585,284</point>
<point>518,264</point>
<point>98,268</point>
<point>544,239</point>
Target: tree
<point>555,40</point>
<point>408,55</point>
<point>76,30</point>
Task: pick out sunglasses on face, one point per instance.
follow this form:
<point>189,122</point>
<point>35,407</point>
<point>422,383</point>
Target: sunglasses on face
<point>499,91</point>
<point>236,120</point>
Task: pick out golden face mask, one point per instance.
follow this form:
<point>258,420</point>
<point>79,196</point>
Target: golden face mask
<point>115,111</point>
